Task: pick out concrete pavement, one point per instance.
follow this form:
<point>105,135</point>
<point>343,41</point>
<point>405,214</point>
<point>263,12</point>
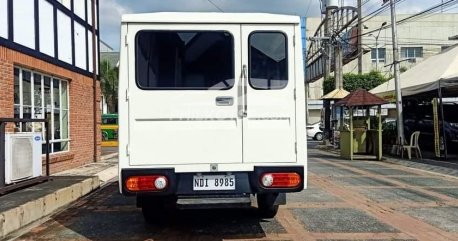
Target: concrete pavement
<point>359,200</point>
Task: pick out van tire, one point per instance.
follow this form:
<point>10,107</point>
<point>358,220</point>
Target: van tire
<point>266,205</point>
<point>157,210</point>
<point>153,215</point>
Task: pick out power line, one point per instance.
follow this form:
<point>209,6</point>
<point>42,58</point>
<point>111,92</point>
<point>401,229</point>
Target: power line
<point>381,10</point>
<point>428,12</point>
<point>418,44</point>
<point>308,8</point>
<point>216,6</point>
<point>408,19</point>
<point>447,5</point>
<point>371,8</point>
<point>430,39</point>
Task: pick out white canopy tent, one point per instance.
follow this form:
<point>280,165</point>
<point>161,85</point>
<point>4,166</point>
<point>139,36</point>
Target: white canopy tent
<point>437,71</point>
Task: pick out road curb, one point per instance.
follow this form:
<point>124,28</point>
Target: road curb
<point>107,174</point>
<point>16,218</point>
<point>108,156</point>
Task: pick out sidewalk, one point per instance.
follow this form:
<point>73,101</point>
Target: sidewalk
<point>429,165</point>
<point>25,206</point>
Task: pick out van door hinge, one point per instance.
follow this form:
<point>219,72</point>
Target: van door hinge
<point>125,40</point>
<point>294,93</point>
<point>127,150</point>
<point>295,147</point>
<point>127,94</point>
<point>294,40</point>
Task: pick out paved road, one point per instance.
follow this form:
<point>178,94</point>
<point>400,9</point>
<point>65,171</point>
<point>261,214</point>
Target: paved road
<point>358,200</point>
<point>109,150</point>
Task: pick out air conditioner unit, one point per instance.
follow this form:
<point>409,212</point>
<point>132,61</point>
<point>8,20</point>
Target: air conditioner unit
<point>22,156</point>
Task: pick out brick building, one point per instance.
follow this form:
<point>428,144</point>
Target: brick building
<point>49,64</point>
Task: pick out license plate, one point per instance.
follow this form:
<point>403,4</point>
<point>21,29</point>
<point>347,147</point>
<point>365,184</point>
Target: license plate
<point>214,182</point>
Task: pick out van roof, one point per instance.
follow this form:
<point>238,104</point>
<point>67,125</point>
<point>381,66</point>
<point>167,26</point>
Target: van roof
<point>209,17</point>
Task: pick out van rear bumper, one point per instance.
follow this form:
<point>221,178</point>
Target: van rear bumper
<point>181,184</point>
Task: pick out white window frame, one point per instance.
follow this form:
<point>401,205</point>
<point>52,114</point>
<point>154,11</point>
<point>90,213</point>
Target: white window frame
<point>415,53</point>
<point>380,60</point>
<point>43,106</point>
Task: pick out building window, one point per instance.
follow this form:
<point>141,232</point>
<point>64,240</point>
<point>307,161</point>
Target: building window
<point>381,55</point>
<point>36,94</point>
<point>411,52</point>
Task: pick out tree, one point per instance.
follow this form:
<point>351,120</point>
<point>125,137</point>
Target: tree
<point>109,85</point>
<point>353,82</point>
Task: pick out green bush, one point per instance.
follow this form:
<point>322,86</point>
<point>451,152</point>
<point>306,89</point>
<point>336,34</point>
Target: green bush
<point>353,82</point>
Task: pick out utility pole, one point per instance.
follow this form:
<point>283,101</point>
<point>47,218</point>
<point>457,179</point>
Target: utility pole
<point>327,73</point>
<point>360,38</point>
<point>327,34</point>
<point>400,124</point>
<point>338,56</point>
<point>338,72</point>
<point>376,53</point>
<point>338,68</point>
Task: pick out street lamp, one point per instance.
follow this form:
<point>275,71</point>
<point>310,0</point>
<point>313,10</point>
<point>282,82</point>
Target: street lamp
<point>376,44</point>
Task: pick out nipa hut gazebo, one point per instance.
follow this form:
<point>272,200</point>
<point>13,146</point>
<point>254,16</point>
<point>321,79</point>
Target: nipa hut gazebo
<point>359,137</point>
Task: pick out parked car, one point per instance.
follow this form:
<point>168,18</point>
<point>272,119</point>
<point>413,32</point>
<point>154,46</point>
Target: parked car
<point>389,134</point>
<point>315,131</point>
<point>420,118</point>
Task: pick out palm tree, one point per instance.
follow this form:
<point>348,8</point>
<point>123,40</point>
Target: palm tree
<point>109,85</point>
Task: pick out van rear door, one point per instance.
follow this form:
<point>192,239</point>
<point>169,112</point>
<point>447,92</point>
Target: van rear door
<point>269,125</point>
<point>182,94</point>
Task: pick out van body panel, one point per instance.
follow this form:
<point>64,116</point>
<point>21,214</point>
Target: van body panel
<point>208,18</point>
<point>269,129</point>
<point>183,126</point>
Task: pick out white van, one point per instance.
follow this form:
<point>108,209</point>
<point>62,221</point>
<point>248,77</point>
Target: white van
<point>211,110</point>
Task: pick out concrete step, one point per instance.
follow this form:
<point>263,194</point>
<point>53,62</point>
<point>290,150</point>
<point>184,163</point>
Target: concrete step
<point>21,208</point>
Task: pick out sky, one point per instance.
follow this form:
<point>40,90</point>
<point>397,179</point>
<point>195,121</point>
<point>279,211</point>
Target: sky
<point>112,10</point>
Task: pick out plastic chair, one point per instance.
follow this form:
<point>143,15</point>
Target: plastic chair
<point>413,145</point>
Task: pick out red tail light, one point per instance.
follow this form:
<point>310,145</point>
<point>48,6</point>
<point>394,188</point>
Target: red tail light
<point>146,183</point>
<point>280,180</point>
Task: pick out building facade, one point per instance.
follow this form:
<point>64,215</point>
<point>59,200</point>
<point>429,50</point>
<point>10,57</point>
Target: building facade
<point>107,53</point>
<point>48,68</point>
<point>418,40</point>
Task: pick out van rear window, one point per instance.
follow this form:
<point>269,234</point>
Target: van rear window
<point>184,60</point>
<point>268,60</point>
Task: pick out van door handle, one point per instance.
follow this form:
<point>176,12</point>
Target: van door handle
<point>224,101</point>
<point>245,89</point>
